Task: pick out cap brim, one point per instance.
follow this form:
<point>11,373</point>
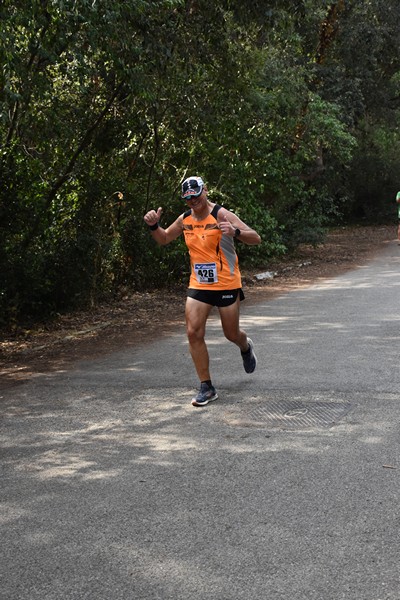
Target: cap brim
<point>191,194</point>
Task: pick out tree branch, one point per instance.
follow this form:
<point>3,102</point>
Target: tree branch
<point>69,168</point>
<point>16,108</point>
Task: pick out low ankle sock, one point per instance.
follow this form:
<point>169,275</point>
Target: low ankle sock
<point>208,382</point>
<point>246,351</point>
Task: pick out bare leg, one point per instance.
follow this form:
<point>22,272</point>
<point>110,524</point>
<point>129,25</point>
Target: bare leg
<point>196,318</point>
<point>230,324</point>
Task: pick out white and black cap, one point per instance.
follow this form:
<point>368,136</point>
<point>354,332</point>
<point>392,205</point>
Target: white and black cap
<point>192,187</point>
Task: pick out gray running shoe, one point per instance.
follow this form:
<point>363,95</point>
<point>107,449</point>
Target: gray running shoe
<point>249,358</point>
<point>206,394</point>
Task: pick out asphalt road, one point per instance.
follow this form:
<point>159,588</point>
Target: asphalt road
<point>287,488</point>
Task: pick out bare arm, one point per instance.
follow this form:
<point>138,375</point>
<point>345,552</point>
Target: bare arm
<point>159,234</point>
<point>228,223</point>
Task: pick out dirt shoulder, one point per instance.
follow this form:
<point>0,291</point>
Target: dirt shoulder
<point>138,318</point>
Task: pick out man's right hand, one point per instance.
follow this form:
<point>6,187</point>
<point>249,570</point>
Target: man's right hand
<point>152,217</point>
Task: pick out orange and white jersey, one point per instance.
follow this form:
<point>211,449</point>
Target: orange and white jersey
<point>213,259</point>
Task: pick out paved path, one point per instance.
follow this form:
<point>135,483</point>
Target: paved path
<point>114,488</point>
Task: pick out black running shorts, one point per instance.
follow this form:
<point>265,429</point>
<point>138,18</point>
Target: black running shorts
<point>216,297</point>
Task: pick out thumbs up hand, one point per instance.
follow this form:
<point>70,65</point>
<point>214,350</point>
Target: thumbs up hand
<point>226,226</point>
<point>152,217</point>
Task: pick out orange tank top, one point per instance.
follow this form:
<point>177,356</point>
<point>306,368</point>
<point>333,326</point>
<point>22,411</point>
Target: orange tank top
<point>213,260</point>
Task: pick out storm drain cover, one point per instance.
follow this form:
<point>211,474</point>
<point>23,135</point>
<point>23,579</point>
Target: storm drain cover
<point>288,413</point>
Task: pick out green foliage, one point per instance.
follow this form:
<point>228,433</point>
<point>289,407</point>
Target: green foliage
<point>375,174</point>
<point>289,110</point>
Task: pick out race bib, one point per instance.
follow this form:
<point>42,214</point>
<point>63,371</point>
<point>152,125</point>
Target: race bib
<point>206,272</point>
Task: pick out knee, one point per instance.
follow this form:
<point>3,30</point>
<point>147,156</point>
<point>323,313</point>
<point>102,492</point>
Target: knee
<point>232,336</point>
<point>195,334</point>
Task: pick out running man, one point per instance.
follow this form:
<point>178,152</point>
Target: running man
<point>215,280</point>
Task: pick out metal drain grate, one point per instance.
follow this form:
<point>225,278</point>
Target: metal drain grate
<point>288,414</point>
